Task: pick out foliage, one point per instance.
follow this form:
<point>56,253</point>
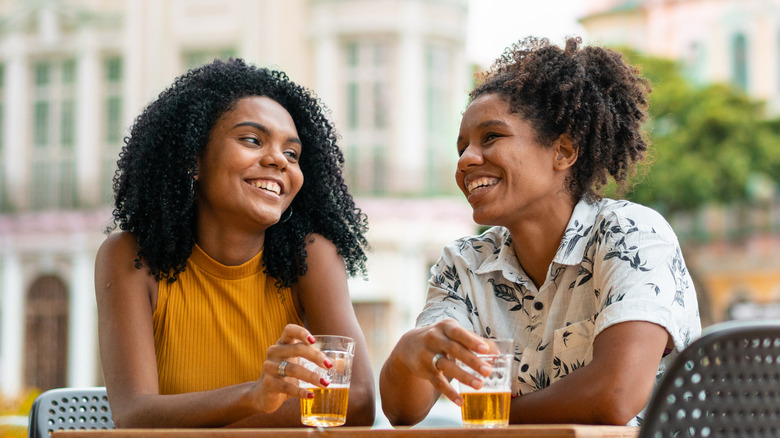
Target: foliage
<point>706,143</point>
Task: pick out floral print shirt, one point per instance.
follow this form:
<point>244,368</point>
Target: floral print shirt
<point>618,261</point>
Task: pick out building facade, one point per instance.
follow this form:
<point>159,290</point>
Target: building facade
<point>75,73</point>
<point>734,251</point>
<point>728,41</point>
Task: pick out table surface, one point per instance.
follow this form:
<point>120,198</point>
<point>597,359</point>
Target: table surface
<point>518,431</point>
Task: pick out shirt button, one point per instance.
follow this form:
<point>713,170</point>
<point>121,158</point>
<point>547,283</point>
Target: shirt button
<point>524,368</point>
<point>538,305</point>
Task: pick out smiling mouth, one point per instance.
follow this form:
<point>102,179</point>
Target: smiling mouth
<point>270,186</point>
<point>481,182</point>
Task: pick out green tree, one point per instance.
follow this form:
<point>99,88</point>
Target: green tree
<point>706,142</point>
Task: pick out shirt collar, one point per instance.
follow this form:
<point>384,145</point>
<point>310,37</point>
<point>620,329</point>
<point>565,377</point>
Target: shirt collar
<point>570,252</point>
<point>578,233</point>
<point>503,258</point>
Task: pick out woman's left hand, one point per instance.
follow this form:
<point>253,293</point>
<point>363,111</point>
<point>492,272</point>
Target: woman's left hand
<point>282,369</point>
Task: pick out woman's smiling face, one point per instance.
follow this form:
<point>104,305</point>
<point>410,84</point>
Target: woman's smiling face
<point>503,171</point>
<point>248,173</point>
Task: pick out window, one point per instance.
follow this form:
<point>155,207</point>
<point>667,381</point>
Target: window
<point>367,89</point>
<point>197,58</point>
<point>4,202</point>
<point>112,113</point>
<point>439,128</point>
<point>739,56</point>
<point>53,109</point>
<point>695,62</point>
<point>46,334</point>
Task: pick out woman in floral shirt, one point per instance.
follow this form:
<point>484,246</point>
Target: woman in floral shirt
<point>594,291</point>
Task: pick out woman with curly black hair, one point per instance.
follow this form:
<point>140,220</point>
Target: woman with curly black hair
<point>593,291</point>
<point>237,236</point>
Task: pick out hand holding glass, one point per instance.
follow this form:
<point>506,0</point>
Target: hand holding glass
<point>329,405</point>
<point>489,405</point>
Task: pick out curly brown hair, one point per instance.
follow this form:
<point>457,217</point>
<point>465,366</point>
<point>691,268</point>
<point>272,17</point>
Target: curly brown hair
<point>153,186</point>
<point>591,94</point>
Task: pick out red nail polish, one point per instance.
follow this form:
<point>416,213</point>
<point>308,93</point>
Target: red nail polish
<point>328,364</point>
<point>309,395</point>
<point>311,339</point>
<point>324,382</point>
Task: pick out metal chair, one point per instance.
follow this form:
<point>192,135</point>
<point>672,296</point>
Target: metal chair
<point>69,408</point>
<point>724,384</point>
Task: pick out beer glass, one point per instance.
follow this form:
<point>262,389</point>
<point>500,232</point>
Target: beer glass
<point>329,405</point>
<point>489,405</point>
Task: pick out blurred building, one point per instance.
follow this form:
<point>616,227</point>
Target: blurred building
<point>734,251</point>
<point>75,73</point>
<point>731,41</point>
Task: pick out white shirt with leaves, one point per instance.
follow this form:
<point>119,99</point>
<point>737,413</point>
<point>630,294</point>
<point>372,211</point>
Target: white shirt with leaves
<point>618,261</point>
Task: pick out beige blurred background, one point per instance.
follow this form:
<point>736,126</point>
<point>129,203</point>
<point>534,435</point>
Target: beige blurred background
<point>74,74</point>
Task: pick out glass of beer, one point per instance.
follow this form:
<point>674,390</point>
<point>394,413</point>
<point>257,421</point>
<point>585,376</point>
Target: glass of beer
<point>329,405</point>
<point>489,405</point>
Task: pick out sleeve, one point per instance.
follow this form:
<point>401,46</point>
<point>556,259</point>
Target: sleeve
<point>640,275</point>
<point>446,296</point>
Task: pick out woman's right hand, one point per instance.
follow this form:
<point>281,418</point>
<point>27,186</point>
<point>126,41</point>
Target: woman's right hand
<point>430,353</point>
<point>273,388</point>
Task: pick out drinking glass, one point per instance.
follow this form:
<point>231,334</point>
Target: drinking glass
<point>489,405</point>
<point>329,405</point>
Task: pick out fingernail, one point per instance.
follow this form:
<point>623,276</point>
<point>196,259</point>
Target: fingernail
<point>482,348</point>
<point>476,384</point>
<point>328,364</point>
<point>485,370</point>
<point>311,339</point>
<point>309,395</point>
<point>459,401</point>
<point>324,382</point>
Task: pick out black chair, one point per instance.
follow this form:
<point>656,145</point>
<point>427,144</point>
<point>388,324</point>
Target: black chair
<point>69,408</point>
<point>725,384</point>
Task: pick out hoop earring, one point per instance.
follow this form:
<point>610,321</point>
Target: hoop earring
<point>290,210</point>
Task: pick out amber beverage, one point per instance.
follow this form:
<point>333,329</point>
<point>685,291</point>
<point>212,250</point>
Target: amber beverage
<point>489,406</point>
<point>329,406</point>
<point>485,409</point>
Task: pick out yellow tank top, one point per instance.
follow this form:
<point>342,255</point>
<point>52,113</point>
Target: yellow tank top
<point>213,325</point>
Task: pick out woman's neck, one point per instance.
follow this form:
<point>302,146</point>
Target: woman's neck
<point>536,240</point>
<point>229,247</point>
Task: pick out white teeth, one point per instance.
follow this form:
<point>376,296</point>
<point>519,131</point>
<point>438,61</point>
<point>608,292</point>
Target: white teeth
<point>271,186</point>
<point>481,182</point>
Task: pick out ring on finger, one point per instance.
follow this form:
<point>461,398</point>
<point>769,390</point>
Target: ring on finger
<point>282,368</point>
<point>435,361</point>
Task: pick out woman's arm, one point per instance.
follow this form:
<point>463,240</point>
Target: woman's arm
<point>410,385</point>
<point>612,389</point>
<point>327,307</point>
<point>124,300</point>
<point>324,296</point>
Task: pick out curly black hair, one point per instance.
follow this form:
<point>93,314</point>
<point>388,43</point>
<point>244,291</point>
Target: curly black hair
<point>589,93</point>
<point>154,184</point>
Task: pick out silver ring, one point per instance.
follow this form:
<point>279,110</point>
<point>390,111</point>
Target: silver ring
<point>435,362</point>
<point>282,368</point>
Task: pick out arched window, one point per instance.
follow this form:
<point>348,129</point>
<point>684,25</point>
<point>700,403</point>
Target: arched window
<point>739,61</point>
<point>46,334</point>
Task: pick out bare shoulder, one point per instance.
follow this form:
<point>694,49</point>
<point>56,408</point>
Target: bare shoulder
<point>325,267</point>
<point>118,251</point>
<point>321,250</point>
<point>117,263</point>
<point>119,242</point>
<point>318,242</point>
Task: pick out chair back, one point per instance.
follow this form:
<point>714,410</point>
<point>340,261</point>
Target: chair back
<point>724,384</point>
<point>69,408</point>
